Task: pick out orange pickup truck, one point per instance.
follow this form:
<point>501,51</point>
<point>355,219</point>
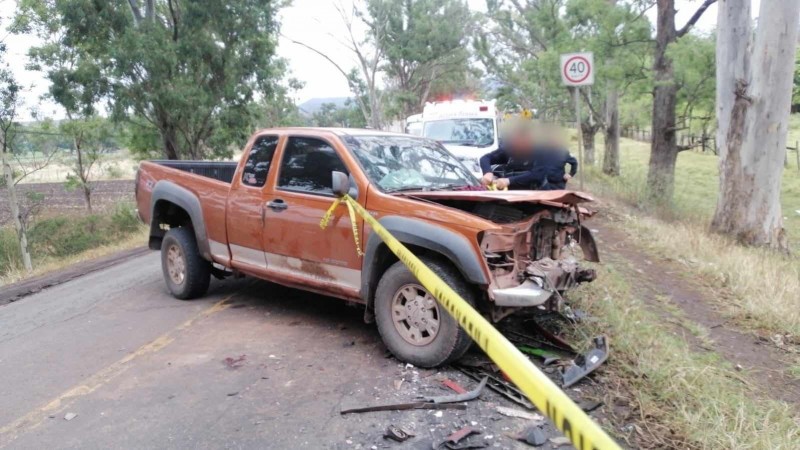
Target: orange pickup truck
<point>510,252</point>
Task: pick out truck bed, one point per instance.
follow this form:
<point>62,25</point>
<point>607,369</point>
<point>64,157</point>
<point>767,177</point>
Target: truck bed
<point>218,170</point>
<point>209,181</point>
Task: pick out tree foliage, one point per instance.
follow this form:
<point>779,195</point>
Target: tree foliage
<point>186,68</point>
<point>424,46</point>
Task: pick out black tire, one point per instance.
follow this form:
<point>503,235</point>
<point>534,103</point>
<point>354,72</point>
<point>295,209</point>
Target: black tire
<point>196,270</point>
<point>449,343</point>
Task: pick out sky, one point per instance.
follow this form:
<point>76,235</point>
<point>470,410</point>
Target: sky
<point>313,22</point>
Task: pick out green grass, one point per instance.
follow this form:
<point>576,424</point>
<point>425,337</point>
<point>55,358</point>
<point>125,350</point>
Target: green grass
<point>58,238</point>
<point>687,398</point>
<point>696,183</point>
<point>758,288</point>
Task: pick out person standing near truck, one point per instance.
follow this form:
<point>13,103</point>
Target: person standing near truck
<point>520,164</point>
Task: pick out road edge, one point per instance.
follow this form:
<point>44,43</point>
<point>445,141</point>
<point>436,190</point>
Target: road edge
<point>17,291</point>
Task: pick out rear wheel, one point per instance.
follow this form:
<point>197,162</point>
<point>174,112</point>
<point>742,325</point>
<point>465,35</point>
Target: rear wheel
<point>186,273</point>
<point>412,324</point>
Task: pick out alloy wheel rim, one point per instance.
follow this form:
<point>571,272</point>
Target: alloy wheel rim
<point>176,264</point>
<point>415,315</point>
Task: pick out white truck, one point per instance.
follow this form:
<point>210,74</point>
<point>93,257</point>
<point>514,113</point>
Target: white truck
<point>468,128</point>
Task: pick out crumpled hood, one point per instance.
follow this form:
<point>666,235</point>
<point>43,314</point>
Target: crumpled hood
<point>556,198</point>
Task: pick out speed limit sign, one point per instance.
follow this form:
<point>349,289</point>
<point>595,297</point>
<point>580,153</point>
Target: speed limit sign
<point>577,69</point>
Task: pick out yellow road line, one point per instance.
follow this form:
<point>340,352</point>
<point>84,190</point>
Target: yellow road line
<point>33,419</point>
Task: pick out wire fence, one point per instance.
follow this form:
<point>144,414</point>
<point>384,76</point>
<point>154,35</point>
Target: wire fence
<point>704,143</point>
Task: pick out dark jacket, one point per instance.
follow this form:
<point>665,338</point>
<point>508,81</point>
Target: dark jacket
<point>543,169</point>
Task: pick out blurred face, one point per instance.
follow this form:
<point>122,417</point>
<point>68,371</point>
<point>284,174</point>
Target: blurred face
<point>520,143</point>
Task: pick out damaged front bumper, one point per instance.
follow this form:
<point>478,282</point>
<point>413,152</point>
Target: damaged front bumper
<point>544,279</point>
<point>533,264</point>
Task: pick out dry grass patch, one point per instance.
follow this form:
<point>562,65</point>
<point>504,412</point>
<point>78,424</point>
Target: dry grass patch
<point>762,287</point>
<point>687,399</point>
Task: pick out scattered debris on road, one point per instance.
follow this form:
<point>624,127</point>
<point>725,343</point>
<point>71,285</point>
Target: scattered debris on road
<point>454,386</point>
<point>559,441</point>
<point>502,387</point>
<point>70,416</point>
<point>456,437</point>
<point>457,398</point>
<point>533,435</point>
<point>404,407</point>
<point>587,363</point>
<point>397,434</point>
<point>234,363</point>
<point>511,412</point>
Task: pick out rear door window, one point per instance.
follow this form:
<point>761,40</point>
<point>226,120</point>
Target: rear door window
<point>307,165</point>
<point>258,161</point>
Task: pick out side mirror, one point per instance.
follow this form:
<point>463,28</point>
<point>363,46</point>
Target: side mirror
<point>340,183</point>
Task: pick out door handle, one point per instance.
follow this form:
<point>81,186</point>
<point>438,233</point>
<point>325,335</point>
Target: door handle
<point>277,205</point>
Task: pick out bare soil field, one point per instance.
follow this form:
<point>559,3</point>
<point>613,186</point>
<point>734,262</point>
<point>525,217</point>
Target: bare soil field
<point>59,200</point>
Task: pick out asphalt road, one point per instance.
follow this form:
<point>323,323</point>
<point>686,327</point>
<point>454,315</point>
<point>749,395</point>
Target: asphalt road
<point>251,365</point>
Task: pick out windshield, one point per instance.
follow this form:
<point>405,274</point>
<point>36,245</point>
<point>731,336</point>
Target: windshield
<point>473,132</point>
<point>398,163</point>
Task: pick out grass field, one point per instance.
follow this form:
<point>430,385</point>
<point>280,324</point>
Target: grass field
<point>696,399</point>
<point>696,184</point>
<point>761,288</point>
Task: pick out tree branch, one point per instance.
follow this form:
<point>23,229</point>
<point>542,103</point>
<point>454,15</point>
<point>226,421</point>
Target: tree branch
<point>137,14</point>
<point>695,17</point>
<point>588,100</point>
<point>174,21</point>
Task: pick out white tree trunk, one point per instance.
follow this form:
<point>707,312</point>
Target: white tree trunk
<point>19,226</point>
<point>753,103</point>
<point>733,60</point>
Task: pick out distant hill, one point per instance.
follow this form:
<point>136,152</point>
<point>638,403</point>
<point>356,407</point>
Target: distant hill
<point>313,105</point>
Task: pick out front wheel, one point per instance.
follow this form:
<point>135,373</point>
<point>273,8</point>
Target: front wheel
<point>186,272</point>
<point>412,324</point>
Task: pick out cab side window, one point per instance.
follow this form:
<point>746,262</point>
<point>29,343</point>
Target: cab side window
<point>307,165</point>
<point>258,161</point>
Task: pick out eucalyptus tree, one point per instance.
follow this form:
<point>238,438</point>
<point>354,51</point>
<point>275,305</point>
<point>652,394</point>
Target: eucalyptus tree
<point>754,91</point>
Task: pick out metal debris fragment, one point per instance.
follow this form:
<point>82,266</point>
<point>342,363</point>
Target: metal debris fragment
<point>586,363</point>
<point>397,434</point>
<point>559,441</point>
<point>502,387</point>
<point>589,405</point>
<point>511,412</point>
<point>457,436</point>
<point>454,386</point>
<point>465,397</point>
<point>404,407</point>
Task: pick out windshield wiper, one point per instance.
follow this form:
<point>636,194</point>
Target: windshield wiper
<point>447,187</point>
<point>407,188</point>
<point>465,142</point>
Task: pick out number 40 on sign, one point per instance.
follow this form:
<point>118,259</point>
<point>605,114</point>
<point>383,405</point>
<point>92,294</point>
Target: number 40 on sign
<point>577,69</point>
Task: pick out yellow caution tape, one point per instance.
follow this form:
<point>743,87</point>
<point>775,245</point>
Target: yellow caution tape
<point>549,398</point>
<point>329,214</point>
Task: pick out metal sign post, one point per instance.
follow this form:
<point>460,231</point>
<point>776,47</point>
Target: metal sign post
<point>577,69</point>
<point>577,91</point>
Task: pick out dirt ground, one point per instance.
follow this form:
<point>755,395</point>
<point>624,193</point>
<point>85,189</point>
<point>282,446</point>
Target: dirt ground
<point>59,200</point>
<point>251,365</point>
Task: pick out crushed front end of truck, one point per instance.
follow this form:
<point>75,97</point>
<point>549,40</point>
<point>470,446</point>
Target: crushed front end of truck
<point>534,262</point>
